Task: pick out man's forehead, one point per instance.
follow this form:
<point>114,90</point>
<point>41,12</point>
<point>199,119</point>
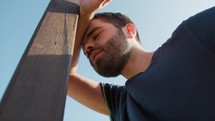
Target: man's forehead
<point>94,23</point>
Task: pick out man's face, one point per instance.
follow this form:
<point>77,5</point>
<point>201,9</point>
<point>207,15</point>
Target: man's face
<point>106,48</point>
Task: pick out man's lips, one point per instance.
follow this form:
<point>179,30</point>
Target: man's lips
<point>93,54</point>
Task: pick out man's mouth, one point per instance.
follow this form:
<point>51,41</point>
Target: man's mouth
<point>94,54</point>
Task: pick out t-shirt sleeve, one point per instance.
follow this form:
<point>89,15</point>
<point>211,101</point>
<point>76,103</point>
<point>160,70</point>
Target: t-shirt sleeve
<point>203,26</point>
<point>113,95</point>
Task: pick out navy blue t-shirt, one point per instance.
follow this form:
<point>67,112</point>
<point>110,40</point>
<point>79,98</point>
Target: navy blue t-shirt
<point>179,84</point>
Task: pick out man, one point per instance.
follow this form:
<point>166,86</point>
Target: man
<point>176,82</point>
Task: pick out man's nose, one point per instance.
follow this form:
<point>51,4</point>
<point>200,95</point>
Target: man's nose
<point>88,47</point>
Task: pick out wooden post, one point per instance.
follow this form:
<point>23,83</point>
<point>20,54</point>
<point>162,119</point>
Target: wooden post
<point>37,90</point>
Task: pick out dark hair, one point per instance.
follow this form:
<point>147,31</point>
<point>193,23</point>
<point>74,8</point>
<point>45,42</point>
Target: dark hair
<point>119,20</point>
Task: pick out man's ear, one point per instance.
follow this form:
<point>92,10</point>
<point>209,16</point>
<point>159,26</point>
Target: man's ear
<point>130,30</point>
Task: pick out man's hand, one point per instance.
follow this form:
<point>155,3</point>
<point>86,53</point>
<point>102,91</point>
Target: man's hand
<point>88,8</point>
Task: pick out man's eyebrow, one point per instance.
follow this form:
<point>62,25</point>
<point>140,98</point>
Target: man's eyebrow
<point>93,30</point>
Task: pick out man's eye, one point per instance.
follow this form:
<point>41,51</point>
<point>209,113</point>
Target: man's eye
<point>96,36</point>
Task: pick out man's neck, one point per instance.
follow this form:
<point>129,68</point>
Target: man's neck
<point>138,62</point>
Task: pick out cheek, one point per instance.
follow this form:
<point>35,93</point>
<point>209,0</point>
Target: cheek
<point>105,37</point>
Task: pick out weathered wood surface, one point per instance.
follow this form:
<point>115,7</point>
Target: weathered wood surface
<point>37,90</point>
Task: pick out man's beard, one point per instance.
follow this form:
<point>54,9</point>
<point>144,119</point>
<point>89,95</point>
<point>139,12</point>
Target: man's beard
<point>116,54</point>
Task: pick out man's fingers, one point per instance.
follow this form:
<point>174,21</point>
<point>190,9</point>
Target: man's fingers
<point>105,2</point>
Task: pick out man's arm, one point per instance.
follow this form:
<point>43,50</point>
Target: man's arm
<point>84,90</point>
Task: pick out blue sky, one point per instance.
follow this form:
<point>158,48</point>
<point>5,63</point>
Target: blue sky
<point>155,20</point>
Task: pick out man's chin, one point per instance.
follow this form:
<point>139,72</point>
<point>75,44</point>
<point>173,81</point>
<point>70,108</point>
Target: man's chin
<point>107,73</point>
